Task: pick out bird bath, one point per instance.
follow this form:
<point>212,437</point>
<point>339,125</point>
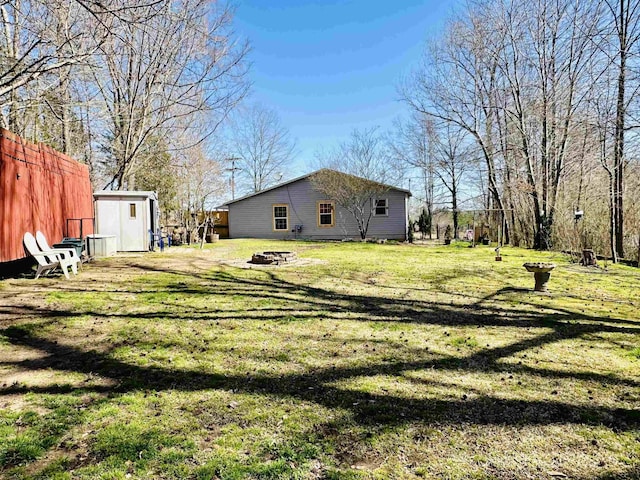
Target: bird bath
<point>541,272</point>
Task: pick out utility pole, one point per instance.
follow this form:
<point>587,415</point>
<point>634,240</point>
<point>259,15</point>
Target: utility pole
<point>232,181</point>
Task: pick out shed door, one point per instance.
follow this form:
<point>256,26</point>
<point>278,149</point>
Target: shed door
<point>108,217</point>
<point>133,232</point>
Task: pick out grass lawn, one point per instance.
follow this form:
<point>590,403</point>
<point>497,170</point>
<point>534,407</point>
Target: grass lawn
<point>363,361</point>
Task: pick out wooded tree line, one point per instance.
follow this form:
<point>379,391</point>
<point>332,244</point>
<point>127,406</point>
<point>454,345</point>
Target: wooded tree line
<point>132,88</point>
<point>537,103</point>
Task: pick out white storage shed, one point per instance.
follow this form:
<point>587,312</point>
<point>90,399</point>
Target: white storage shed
<point>129,216</point>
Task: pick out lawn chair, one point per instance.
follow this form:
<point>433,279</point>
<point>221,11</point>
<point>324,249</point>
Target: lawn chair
<point>47,260</point>
<point>66,253</point>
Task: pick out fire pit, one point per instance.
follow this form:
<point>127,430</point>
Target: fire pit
<point>541,272</point>
<point>270,258</point>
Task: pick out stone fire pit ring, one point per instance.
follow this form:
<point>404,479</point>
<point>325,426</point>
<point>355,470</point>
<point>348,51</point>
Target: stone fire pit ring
<point>273,258</point>
<point>541,273</point>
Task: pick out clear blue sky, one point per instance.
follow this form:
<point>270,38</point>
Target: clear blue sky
<point>329,66</point>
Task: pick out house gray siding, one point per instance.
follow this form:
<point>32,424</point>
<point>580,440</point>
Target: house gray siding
<point>252,217</point>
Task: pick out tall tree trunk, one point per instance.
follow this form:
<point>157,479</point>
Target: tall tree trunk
<point>455,211</point>
<point>623,24</point>
<point>14,55</point>
<point>618,152</point>
<point>64,110</point>
<point>612,218</point>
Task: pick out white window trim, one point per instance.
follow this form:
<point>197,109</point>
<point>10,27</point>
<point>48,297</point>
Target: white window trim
<point>386,208</point>
<point>273,217</point>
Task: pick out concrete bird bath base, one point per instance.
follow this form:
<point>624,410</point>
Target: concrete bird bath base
<point>541,272</point>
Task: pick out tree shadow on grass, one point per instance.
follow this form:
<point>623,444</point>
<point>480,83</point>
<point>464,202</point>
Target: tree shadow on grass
<point>268,285</point>
<point>320,303</point>
<point>369,409</point>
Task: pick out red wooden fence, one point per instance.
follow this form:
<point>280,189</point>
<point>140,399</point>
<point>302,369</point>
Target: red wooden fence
<point>40,189</point>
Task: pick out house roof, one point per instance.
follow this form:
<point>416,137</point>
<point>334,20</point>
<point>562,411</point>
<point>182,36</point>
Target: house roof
<point>297,179</point>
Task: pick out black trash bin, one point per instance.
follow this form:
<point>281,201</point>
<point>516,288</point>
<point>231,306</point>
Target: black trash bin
<point>75,243</point>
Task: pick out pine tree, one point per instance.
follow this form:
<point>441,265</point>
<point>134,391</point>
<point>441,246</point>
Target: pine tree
<point>424,222</point>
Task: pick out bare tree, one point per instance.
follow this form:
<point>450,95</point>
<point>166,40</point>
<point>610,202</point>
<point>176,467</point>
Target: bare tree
<point>553,64</point>
<point>457,83</point>
<point>169,76</point>
<point>354,174</point>
<point>453,160</point>
<point>356,195</point>
<point>410,145</point>
<point>34,43</point>
<point>200,183</point>
<point>364,154</point>
<point>624,18</point>
<point>512,75</point>
<point>262,145</point>
<point>40,41</point>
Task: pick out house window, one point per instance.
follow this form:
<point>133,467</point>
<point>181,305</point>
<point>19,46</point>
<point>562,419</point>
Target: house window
<point>326,214</point>
<point>382,207</point>
<point>280,218</point>
<point>132,210</point>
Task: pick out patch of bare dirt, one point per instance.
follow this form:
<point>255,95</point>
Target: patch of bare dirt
<point>25,299</point>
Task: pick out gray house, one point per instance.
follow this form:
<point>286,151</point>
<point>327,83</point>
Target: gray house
<point>295,209</point>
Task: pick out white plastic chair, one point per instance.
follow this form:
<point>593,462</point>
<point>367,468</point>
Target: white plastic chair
<point>67,253</point>
<point>47,260</point>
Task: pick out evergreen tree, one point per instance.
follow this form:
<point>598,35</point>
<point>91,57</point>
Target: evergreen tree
<point>424,222</point>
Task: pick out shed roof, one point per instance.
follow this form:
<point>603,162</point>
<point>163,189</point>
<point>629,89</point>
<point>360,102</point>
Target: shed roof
<point>125,193</point>
<point>297,179</point>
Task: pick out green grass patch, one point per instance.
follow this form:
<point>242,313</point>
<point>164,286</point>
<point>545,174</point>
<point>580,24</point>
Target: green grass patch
<point>25,436</point>
<point>464,342</point>
<point>365,362</point>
